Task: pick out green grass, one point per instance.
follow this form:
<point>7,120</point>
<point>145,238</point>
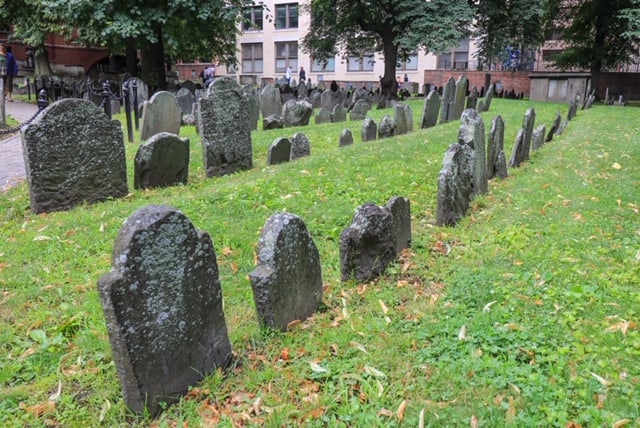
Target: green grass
<point>525,314</point>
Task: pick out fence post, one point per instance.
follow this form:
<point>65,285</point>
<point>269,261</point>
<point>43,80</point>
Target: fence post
<point>106,101</point>
<point>42,100</point>
<point>135,104</point>
<point>127,109</point>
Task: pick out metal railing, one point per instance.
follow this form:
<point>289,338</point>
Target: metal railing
<point>42,104</point>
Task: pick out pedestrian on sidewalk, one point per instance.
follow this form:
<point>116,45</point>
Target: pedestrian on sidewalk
<point>3,64</point>
<point>12,71</point>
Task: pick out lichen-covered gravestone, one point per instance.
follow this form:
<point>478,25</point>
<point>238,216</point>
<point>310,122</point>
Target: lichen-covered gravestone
<point>387,127</point>
<point>300,146</point>
<point>161,114</point>
<point>554,127</point>
<point>287,281</point>
<point>163,308</point>
<point>346,138</point>
<point>270,101</point>
<point>224,128</point>
<point>430,110</point>
<point>454,185</point>
<point>528,121</point>
<point>517,151</point>
<point>496,159</point>
<point>185,99</point>
<point>369,130</point>
<point>537,138</point>
<point>447,100</point>
<point>460,96</point>
<point>279,151</point>
<point>297,113</point>
<point>73,154</point>
<point>338,114</point>
<point>359,110</point>
<point>323,116</point>
<point>400,209</point>
<point>163,160</point>
<point>471,134</point>
<point>400,119</point>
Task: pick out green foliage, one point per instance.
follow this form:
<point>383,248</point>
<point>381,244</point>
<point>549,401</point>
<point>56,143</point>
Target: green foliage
<point>524,314</point>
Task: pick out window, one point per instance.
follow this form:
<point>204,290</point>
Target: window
<point>287,15</point>
<point>286,56</point>
<point>252,18</point>
<point>360,63</point>
<point>410,63</point>
<point>457,58</point>
<point>320,66</point>
<point>252,57</point>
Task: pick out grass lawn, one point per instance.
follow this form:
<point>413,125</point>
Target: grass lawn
<point>524,314</point>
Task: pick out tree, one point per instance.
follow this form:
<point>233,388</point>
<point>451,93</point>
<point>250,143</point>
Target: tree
<point>503,27</point>
<point>595,34</point>
<point>394,27</point>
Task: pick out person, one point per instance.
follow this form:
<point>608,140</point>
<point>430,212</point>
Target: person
<point>207,75</point>
<point>287,76</point>
<point>12,71</point>
<point>406,78</point>
<point>303,74</point>
<point>3,65</point>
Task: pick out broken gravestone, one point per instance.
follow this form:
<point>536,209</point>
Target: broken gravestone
<point>471,134</point>
<point>455,183</point>
<point>163,308</point>
<point>163,160</point>
<point>496,159</point>
<point>287,281</point>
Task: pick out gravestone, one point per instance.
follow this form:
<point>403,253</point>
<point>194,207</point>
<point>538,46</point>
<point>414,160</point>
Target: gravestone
<point>323,116</point>
<point>160,114</point>
<point>455,183</point>
<point>400,209</point>
<point>346,138</point>
<point>386,128</point>
<point>302,90</point>
<point>480,106</point>
<point>472,99</point>
<point>408,117</point>
<point>554,127</point>
<point>562,127</point>
<point>361,94</point>
<point>368,245</point>
<point>369,130</point>
<point>537,139</point>
<point>225,131</point>
<point>190,85</point>
<point>573,107</point>
<point>163,308</point>
<point>517,152</point>
<point>446,103</point>
<point>185,100</point>
<point>528,122</point>
<point>590,100</point>
<point>142,90</point>
<point>300,146</point>
<point>496,159</point>
<point>471,134</point>
<point>163,160</point>
<point>297,113</point>
<point>270,101</point>
<point>272,122</point>
<point>279,151</point>
<point>459,97</point>
<point>400,119</point>
<point>251,94</point>
<point>73,154</point>
<point>329,99</point>
<point>489,97</point>
<point>338,114</point>
<point>287,281</point>
<point>360,110</point>
<point>430,110</point>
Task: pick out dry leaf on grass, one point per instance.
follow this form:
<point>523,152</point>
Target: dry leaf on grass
<point>400,411</point>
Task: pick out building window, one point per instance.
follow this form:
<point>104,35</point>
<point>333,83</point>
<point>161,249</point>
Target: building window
<point>286,56</point>
<point>411,63</point>
<point>360,63</point>
<point>252,18</point>
<point>287,15</point>
<point>321,66</point>
<point>455,59</point>
<point>252,58</point>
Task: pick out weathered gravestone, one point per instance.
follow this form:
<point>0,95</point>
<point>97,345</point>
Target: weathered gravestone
<point>360,110</point>
<point>73,154</point>
<point>163,160</point>
<point>346,138</point>
<point>361,94</point>
<point>496,159</point>
<point>480,106</point>
<point>323,116</point>
<point>287,281</point>
<point>528,122</point>
<point>455,183</point>
<point>300,146</point>
<point>163,308</point>
<point>471,134</point>
<point>141,91</point>
<point>472,99</point>
<point>338,114</point>
<point>279,151</point>
<point>387,127</point>
<point>224,128</point>
<point>430,110</point>
<point>400,119</point>
<point>190,85</point>
<point>368,245</point>
<point>270,101</point>
<point>446,108</point>
<point>489,97</point>
<point>272,122</point>
<point>297,113</point>
<point>400,209</point>
<point>517,152</point>
<point>185,99</point>
<point>554,127</point>
<point>302,89</point>
<point>160,114</point>
<point>251,94</point>
<point>537,138</point>
<point>329,99</point>
<point>573,107</point>
<point>562,127</point>
<point>369,130</point>
<point>408,117</point>
<point>460,97</point>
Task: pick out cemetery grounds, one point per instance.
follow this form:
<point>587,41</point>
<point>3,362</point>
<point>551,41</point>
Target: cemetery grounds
<point>524,314</point>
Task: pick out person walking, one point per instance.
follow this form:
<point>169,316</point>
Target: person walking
<point>12,71</point>
<point>3,66</point>
<point>302,74</point>
<point>287,76</point>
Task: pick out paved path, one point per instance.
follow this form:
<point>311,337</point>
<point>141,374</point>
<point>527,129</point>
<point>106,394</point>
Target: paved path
<point>11,160</point>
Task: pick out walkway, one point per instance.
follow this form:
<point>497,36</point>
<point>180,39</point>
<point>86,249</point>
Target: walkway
<point>12,169</point>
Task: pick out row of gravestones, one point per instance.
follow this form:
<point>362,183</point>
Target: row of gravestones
<point>466,169</point>
<point>163,303</point>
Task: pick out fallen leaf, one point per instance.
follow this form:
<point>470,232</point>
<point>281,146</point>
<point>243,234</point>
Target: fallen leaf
<point>56,395</point>
<point>578,217</point>
<point>42,238</point>
<point>621,423</point>
<point>400,411</point>
<point>462,334</point>
<point>600,379</point>
<point>284,354</point>
<point>385,412</point>
<point>317,367</point>
<point>511,410</point>
<point>616,165</point>
<point>487,307</point>
<point>105,408</point>
<point>373,371</point>
<point>383,307</point>
<point>474,422</point>
<point>358,346</point>
<point>421,419</point>
<point>39,409</point>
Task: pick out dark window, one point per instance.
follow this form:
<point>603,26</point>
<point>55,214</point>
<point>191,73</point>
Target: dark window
<point>287,15</point>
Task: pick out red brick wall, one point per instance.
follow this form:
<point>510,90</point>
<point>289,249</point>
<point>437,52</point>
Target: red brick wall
<point>518,81</point>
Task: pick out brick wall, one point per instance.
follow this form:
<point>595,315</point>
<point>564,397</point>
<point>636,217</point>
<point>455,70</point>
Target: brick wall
<point>518,81</point>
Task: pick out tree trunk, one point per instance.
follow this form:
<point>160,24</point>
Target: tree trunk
<point>41,62</point>
<point>131,55</point>
<point>153,65</point>
<point>388,84</point>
